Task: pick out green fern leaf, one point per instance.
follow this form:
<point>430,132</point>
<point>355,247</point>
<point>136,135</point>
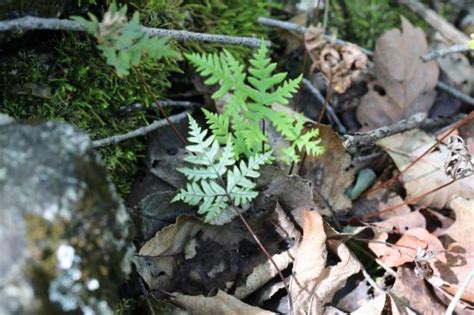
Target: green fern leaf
<point>213,184</point>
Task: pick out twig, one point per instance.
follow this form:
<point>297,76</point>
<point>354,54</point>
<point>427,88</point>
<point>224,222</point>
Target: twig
<point>416,198</point>
<point>371,281</point>
<point>445,51</point>
<point>34,23</point>
<point>459,292</point>
<point>427,151</point>
<point>164,103</point>
<point>369,138</point>
<point>456,93</point>
<point>300,29</point>
<point>331,113</point>
<point>436,21</point>
<point>138,132</point>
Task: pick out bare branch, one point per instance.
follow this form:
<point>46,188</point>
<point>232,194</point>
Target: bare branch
<point>301,29</point>
<point>445,51</point>
<point>456,93</point>
<point>138,132</point>
<point>164,103</point>
<point>436,21</point>
<point>460,292</point>
<point>350,142</point>
<point>34,23</point>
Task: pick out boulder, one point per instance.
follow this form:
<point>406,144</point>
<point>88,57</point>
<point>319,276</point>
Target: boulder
<point>63,229</point>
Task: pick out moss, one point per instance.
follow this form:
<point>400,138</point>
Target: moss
<point>83,91</point>
<point>363,21</point>
<point>71,82</point>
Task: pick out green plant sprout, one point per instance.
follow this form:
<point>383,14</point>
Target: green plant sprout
<point>216,180</point>
<point>248,102</point>
<point>123,43</point>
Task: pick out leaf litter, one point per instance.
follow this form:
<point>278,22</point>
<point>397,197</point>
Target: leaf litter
<point>425,244</point>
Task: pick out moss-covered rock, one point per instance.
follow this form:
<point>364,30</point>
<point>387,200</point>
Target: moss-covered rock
<point>64,229</point>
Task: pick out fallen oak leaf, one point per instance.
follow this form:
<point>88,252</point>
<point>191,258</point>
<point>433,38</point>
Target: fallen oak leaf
<point>405,85</point>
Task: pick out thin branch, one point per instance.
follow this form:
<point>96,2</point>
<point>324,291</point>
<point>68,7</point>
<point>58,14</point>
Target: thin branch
<point>456,93</point>
<point>445,51</point>
<point>369,138</point>
<point>436,21</point>
<point>139,132</point>
<point>460,292</point>
<point>331,112</point>
<point>300,29</point>
<point>35,23</point>
<point>164,103</point>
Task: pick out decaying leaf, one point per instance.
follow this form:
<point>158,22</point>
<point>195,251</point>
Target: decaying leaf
<point>172,238</point>
<point>455,68</point>
<point>428,173</point>
<point>340,64</point>
<point>461,230</point>
<point>330,173</point>
<point>373,307</point>
<point>378,200</point>
<point>413,294</point>
<point>405,85</point>
<point>313,284</point>
<point>405,248</point>
<point>221,303</point>
<point>402,223</point>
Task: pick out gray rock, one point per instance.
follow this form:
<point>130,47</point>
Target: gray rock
<point>63,229</point>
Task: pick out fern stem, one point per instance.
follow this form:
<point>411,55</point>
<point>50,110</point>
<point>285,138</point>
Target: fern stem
<point>157,103</point>
<point>326,100</point>
<point>269,257</point>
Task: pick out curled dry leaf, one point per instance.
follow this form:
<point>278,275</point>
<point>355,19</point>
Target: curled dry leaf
<point>313,284</point>
<point>330,173</point>
<point>405,85</point>
<point>340,64</point>
<point>221,303</point>
<point>405,248</point>
<point>413,294</point>
<point>428,173</point>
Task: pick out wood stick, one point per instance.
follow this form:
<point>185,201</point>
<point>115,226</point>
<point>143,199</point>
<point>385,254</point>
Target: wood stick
<point>445,51</point>
<point>138,132</point>
<point>35,23</point>
<point>436,21</point>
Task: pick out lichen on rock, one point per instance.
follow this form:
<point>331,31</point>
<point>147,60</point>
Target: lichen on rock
<point>64,228</point>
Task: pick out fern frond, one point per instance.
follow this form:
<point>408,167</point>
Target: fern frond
<point>208,187</point>
<point>248,101</point>
<point>219,124</point>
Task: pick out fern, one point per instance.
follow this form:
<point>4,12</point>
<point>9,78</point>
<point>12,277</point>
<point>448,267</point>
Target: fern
<point>248,101</point>
<point>212,180</point>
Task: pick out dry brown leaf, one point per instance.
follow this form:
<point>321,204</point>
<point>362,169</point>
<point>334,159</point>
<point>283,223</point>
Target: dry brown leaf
<point>412,293</point>
<point>340,64</point>
<point>405,85</point>
<point>373,307</point>
<point>455,68</point>
<point>330,173</point>
<point>405,248</point>
<point>171,239</point>
<point>378,200</point>
<point>313,284</point>
<point>402,223</point>
<point>221,303</point>
<point>461,230</point>
<point>428,173</point>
